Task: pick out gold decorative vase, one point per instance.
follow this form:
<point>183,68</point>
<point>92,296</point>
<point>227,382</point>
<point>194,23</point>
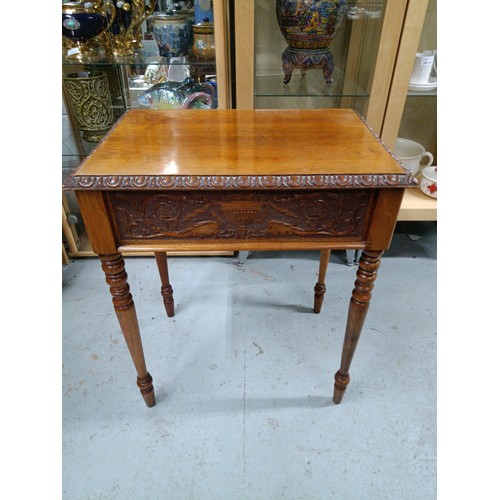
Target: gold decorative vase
<point>90,100</point>
<point>82,24</point>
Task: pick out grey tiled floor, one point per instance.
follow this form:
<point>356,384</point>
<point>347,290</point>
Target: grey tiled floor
<point>243,376</point>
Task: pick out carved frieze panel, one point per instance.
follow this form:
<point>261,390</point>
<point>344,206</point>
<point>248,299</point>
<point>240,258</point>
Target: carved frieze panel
<point>181,215</point>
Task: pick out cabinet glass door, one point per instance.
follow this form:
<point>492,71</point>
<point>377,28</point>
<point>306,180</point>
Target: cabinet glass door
<point>364,49</point>
<point>419,120</point>
<point>169,43</point>
<point>353,52</point>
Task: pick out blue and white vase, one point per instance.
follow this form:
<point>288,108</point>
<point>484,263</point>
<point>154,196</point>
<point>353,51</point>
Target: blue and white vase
<point>172,34</point>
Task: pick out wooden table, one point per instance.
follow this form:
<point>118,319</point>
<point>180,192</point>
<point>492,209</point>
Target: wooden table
<point>195,180</point>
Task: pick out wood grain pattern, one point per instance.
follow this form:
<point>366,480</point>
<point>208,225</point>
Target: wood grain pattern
<point>241,143</point>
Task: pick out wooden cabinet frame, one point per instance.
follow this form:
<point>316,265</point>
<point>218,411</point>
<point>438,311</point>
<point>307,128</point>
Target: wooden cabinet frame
<point>399,39</point>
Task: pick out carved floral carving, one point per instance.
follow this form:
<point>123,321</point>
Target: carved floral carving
<point>240,215</point>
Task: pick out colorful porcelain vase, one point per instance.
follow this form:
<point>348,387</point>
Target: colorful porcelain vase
<point>309,26</point>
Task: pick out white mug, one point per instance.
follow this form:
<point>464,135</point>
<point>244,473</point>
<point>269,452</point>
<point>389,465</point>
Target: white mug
<point>411,153</point>
<point>422,68</point>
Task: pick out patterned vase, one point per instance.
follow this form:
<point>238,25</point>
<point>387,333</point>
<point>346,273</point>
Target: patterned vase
<point>90,99</point>
<point>204,40</point>
<point>172,34</point>
<point>309,26</point>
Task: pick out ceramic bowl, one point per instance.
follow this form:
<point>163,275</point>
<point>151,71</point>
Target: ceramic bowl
<point>428,183</point>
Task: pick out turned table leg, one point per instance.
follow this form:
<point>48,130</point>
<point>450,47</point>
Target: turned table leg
<point>358,308</point>
<point>320,288</point>
<point>116,277</point>
<point>166,289</point>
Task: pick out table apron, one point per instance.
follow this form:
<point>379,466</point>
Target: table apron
<point>241,220</point>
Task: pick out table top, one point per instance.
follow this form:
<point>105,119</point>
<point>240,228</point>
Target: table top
<point>225,149</point>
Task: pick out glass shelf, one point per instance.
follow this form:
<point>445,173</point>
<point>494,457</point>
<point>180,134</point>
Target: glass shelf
<point>309,91</point>
<point>430,93</point>
<point>311,85</point>
<point>419,118</point>
<point>144,60</point>
<point>353,50</point>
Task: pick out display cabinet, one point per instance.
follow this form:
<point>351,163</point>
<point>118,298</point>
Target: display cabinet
<point>104,76</point>
<point>373,51</point>
<point>411,110</point>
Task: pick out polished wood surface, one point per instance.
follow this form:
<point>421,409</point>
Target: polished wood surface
<point>240,180</point>
<point>240,142</point>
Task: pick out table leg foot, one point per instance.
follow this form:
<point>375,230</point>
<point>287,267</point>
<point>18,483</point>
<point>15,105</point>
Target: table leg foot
<point>147,390</point>
<point>167,291</point>
<point>319,295</point>
<point>366,275</point>
<point>320,287</point>
<point>341,382</point>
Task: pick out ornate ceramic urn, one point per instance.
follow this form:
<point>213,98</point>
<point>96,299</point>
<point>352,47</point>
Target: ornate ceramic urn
<point>309,26</point>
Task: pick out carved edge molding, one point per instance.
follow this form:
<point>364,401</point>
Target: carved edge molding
<point>159,182</point>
